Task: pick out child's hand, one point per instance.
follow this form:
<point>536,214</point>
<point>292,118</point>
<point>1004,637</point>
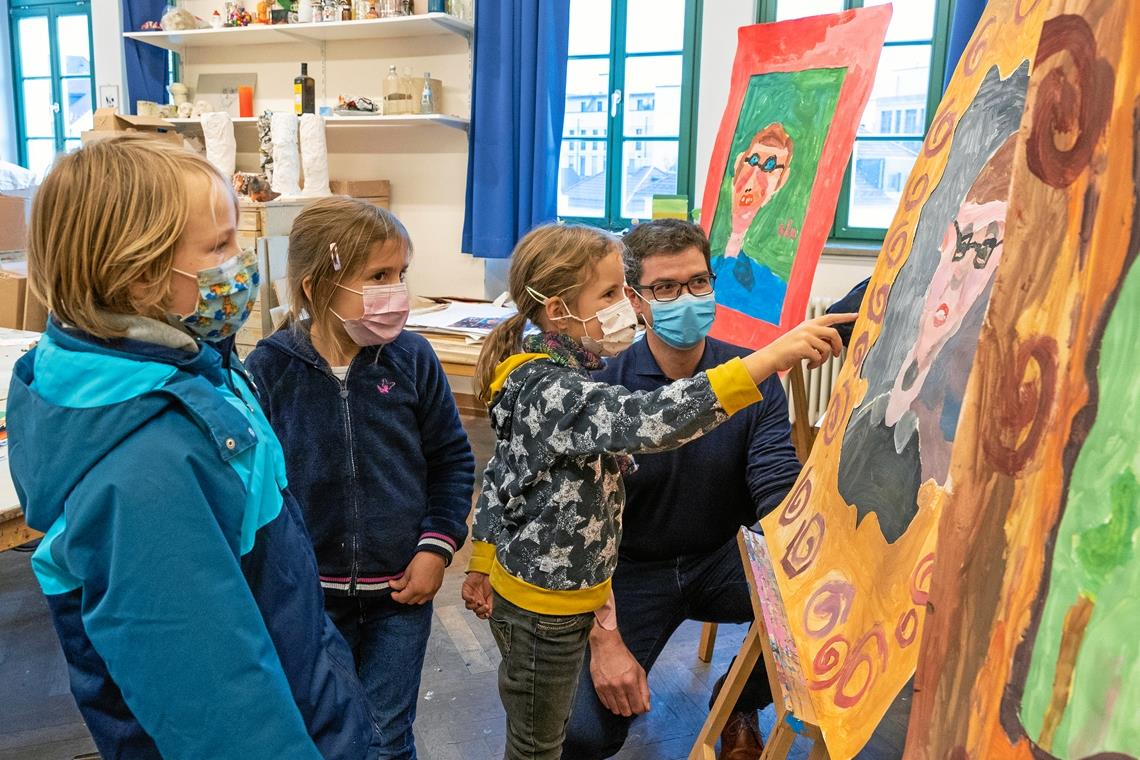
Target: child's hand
<point>477,594</point>
<point>814,340</point>
<point>421,580</point>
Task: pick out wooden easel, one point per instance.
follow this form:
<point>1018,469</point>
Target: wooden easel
<point>794,712</point>
<point>803,434</point>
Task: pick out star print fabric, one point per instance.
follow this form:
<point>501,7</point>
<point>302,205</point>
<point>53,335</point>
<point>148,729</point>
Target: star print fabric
<point>552,494</point>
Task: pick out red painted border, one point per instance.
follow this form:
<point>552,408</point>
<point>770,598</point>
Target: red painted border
<point>851,39</point>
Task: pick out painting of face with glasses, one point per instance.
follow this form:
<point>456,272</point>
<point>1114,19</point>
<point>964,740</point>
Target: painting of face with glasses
<point>767,181</point>
<point>760,171</point>
<point>918,368</point>
<point>797,92</point>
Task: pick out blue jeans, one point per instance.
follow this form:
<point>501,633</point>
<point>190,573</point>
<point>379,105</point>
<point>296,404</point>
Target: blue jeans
<point>388,641</point>
<point>653,599</point>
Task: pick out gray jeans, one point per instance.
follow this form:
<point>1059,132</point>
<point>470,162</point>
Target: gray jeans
<point>538,677</point>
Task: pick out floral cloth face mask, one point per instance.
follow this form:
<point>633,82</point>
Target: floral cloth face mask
<point>226,295</point>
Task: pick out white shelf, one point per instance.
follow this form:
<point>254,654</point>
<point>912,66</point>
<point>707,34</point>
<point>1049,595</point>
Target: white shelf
<point>422,25</point>
<point>357,122</point>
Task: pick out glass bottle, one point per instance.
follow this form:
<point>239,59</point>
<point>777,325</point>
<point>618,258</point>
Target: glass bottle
<point>427,97</point>
<point>393,94</point>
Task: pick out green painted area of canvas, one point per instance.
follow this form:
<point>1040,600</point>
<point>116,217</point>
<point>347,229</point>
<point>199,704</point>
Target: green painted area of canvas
<point>1096,555</point>
<point>804,103</point>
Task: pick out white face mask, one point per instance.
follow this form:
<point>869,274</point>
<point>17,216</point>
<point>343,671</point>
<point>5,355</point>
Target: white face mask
<point>618,322</point>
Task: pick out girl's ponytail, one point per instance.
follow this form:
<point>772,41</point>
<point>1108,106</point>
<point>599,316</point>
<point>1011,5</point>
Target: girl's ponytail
<point>553,259</point>
<point>504,340</point>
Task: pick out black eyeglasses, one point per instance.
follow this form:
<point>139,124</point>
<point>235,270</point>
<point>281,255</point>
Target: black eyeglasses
<point>767,165</point>
<point>668,290</point>
<point>982,251</point>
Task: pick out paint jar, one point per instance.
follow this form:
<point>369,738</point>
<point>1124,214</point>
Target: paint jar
<point>245,101</point>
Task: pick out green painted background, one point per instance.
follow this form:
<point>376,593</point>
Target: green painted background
<point>1096,556</point>
<point>804,102</point>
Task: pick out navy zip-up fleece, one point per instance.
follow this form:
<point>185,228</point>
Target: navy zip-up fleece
<point>693,499</point>
<point>379,462</point>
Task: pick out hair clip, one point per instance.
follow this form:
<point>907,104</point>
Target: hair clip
<point>334,256</point>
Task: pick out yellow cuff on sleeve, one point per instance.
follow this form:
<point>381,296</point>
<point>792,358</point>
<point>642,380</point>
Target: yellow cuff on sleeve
<point>482,557</point>
<point>733,386</point>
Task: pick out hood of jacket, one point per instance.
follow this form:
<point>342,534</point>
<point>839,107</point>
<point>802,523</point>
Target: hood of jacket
<point>504,395</point>
<point>74,398</point>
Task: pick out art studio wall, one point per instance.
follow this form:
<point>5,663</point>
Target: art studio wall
<point>427,195</point>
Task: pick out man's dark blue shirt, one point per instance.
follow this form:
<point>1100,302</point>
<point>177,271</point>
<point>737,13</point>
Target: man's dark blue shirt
<point>693,499</point>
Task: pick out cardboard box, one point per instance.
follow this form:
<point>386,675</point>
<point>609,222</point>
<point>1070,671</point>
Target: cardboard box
<point>365,189</point>
<point>35,314</point>
<point>108,123</point>
<point>12,292</point>
<point>14,212</point>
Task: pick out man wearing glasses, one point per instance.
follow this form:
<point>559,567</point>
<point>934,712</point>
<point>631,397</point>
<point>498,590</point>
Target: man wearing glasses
<point>678,555</point>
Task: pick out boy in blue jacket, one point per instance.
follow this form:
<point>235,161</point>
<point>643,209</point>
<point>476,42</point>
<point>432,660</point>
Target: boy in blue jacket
<point>175,563</point>
<point>374,448</point>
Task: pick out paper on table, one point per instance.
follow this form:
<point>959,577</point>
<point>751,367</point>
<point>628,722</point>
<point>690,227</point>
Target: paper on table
<point>471,319</point>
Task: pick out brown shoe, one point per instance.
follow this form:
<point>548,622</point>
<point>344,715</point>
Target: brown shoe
<point>740,739</point>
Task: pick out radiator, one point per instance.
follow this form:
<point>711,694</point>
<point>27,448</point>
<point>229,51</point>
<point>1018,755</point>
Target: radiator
<point>819,381</point>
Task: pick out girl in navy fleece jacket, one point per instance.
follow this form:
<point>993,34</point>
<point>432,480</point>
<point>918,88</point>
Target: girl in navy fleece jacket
<point>374,448</point>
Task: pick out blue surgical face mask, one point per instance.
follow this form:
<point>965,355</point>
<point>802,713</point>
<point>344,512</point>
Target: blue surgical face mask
<point>685,322</point>
<point>226,295</point>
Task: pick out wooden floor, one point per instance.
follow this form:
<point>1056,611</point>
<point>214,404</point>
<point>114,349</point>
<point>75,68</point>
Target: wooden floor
<point>459,717</point>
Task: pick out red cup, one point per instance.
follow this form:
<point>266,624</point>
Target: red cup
<point>245,100</point>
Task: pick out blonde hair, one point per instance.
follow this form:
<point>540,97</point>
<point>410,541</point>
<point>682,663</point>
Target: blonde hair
<point>345,226</point>
<point>552,260</point>
<point>107,217</point>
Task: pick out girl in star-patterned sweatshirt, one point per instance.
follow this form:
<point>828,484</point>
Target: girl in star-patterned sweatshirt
<point>548,521</point>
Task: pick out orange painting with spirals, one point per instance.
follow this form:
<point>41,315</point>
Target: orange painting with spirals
<point>854,575</point>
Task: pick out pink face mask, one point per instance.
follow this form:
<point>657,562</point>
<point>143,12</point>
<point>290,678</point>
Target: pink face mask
<point>385,313</point>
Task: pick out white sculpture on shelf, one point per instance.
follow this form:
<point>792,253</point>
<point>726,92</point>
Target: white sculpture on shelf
<point>314,155</point>
<point>221,146</point>
<point>286,156</point>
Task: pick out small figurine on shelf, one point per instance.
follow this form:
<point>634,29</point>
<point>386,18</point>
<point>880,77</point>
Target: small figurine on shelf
<point>216,20</point>
<point>372,10</point>
<point>254,186</point>
<point>262,12</point>
<point>330,10</point>
<point>237,15</point>
<point>179,93</point>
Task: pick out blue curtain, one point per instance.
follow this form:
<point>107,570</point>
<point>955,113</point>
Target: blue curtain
<point>517,106</point>
<point>145,64</point>
<point>965,19</point>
